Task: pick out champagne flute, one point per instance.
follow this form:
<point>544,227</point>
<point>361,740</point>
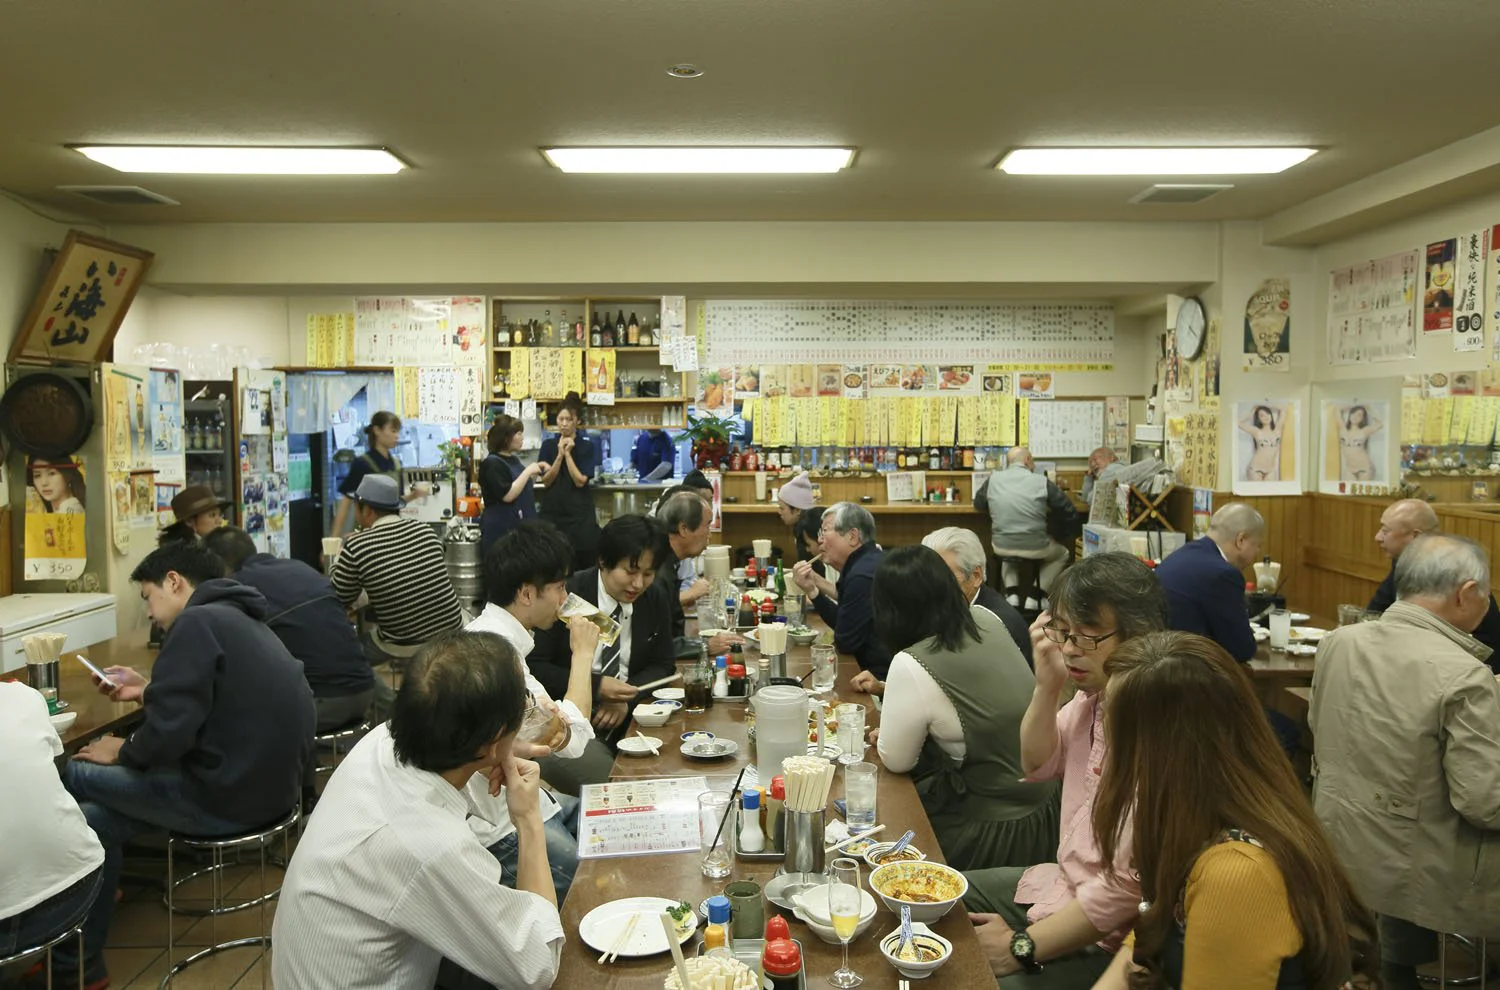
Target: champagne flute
<point>843,910</point>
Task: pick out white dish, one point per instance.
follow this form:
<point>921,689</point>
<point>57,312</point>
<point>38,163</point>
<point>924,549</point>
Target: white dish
<point>873,854</point>
<point>1300,617</point>
<point>652,716</point>
<point>710,749</point>
<point>669,694</point>
<point>1302,649</point>
<point>1261,633</point>
<point>1310,633</point>
<point>812,910</point>
<point>63,721</point>
<point>602,927</point>
<point>915,970</point>
<point>636,746</point>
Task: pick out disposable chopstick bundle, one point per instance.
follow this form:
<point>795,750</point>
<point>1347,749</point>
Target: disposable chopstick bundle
<point>43,647</point>
<point>808,779</point>
<point>713,973</point>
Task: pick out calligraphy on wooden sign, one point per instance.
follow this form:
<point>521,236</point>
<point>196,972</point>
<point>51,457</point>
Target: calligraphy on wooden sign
<point>82,301</point>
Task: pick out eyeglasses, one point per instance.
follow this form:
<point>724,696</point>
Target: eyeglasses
<point>1086,643</point>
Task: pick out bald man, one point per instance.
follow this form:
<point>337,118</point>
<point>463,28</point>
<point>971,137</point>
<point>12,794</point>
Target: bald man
<point>1103,466</point>
<point>1020,503</point>
<point>1205,583</point>
<point>1401,523</point>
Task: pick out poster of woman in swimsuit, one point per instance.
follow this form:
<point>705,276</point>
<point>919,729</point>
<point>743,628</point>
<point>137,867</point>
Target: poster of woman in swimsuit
<point>1354,446</point>
<point>1266,459</point>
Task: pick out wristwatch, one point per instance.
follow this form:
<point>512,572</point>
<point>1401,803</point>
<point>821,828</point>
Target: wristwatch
<point>1023,951</point>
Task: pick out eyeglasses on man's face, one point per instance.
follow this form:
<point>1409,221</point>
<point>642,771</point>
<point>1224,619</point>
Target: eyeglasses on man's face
<point>1083,641</point>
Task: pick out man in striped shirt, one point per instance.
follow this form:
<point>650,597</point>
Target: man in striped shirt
<point>398,565</point>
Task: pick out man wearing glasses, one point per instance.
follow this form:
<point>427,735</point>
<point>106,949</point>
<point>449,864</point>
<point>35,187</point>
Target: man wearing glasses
<point>847,540</point>
<point>1057,925</point>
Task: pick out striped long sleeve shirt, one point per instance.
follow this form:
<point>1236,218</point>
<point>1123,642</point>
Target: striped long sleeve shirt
<point>398,563</point>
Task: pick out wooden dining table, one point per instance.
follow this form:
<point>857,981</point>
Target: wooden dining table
<point>97,714</point>
<point>678,876</point>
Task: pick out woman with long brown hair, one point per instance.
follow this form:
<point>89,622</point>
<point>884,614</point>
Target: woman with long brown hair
<point>1240,887</point>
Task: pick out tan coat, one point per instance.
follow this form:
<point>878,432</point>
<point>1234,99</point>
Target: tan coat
<point>1406,724</point>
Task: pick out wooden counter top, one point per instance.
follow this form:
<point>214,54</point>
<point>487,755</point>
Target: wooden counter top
<point>913,508</point>
<point>97,715</point>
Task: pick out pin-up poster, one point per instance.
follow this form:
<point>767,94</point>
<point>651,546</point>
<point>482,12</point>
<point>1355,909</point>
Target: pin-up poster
<point>55,529</point>
<point>1268,327</point>
<point>1354,445</point>
<point>1437,298</point>
<point>1468,299</point>
<point>1266,459</point>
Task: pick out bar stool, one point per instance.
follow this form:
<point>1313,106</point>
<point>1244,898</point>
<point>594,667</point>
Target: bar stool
<point>1443,979</point>
<point>75,931</point>
<point>217,847</point>
<point>1029,582</point>
<point>334,738</point>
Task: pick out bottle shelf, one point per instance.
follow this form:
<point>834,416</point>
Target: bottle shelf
<point>627,349</point>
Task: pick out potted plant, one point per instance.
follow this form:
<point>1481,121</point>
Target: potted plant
<point>710,436</point>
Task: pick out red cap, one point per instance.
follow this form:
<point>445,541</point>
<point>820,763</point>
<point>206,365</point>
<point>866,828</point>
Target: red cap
<point>781,958</point>
<point>778,791</point>
<point>736,670</point>
<point>776,928</point>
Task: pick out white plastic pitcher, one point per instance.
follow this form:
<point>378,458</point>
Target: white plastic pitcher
<point>780,727</point>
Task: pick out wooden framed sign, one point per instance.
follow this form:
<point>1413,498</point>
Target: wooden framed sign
<point>82,301</point>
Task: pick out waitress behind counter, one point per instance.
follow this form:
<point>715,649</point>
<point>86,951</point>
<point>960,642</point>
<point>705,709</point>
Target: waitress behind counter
<point>507,484</point>
<point>381,438</point>
<point>571,460</point>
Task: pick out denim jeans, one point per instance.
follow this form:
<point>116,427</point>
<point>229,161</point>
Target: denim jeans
<point>49,919</point>
<point>120,804</point>
<point>562,848</point>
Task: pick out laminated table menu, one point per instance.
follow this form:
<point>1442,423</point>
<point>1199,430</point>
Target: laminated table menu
<point>639,817</point>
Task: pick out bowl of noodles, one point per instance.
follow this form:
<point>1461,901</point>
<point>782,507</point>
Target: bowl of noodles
<point>929,889</point>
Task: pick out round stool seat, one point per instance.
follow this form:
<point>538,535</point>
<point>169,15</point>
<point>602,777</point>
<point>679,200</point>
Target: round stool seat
<point>31,950</point>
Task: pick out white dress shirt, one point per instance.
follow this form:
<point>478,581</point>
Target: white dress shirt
<point>915,708</point>
<point>388,880</point>
<point>494,823</point>
<point>607,605</point>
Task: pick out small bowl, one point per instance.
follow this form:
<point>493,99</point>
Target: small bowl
<point>63,721</point>
<point>921,935</point>
<point>669,694</point>
<point>873,854</point>
<point>636,746</point>
<point>811,908</point>
<point>696,734</point>
<point>926,912</point>
<point>738,573</point>
<point>802,639</point>
<point>674,705</point>
<point>652,716</point>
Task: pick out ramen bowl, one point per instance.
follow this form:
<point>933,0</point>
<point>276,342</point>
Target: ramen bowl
<point>929,889</point>
<point>930,949</point>
<point>875,855</point>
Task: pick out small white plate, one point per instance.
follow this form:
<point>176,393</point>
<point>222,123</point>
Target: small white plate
<point>1302,649</point>
<point>669,694</point>
<point>1310,633</point>
<point>673,704</point>
<point>1300,617</point>
<point>636,746</point>
<point>604,925</point>
<point>1261,633</point>
<point>712,749</point>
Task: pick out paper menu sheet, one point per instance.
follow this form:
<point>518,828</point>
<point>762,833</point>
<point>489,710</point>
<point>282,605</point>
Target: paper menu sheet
<point>639,817</point>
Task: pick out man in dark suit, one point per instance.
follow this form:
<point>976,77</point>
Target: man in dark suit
<point>1402,522</point>
<point>1205,583</point>
<point>622,586</point>
<point>848,543</point>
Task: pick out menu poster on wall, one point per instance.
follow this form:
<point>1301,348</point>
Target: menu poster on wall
<point>599,377</point>
<point>55,522</point>
<point>773,380</point>
<point>1371,310</point>
<point>1035,385</point>
<point>1268,327</point>
<point>1437,296</point>
<point>1200,465</point>
<point>1468,297</point>
<point>466,320</point>
<point>119,511</point>
<point>1211,362</point>
<point>1494,300</point>
<point>470,400</point>
<point>1117,425</point>
<point>853,381</point>
<point>716,390</point>
<point>830,379</point>
<point>1265,450</point>
<point>142,500</point>
<point>166,425</point>
<point>548,377</point>
<point>437,395</point>
<point>800,383</point>
<point>164,495</point>
<point>1354,445</point>
<point>747,382</point>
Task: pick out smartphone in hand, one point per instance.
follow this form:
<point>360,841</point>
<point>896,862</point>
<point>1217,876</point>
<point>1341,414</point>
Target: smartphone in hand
<point>95,670</point>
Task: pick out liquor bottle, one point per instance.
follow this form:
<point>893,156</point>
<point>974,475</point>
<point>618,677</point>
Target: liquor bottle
<point>549,332</point>
<point>633,331</point>
<point>609,332</point>
<point>596,335</point>
<point>656,329</point>
<point>620,329</point>
<point>647,340</point>
<point>580,336</point>
<point>564,329</point>
<point>518,334</point>
<point>933,459</point>
<point>780,581</point>
<point>532,333</point>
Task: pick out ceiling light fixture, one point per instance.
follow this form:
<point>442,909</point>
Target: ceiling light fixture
<point>702,161</point>
<point>1152,161</point>
<point>206,160</point>
<point>684,70</point>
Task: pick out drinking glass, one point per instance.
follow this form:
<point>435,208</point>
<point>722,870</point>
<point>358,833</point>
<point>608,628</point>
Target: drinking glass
<point>697,688</point>
<point>711,613</point>
<point>825,662</point>
<point>851,732</point>
<point>792,607</point>
<point>1281,629</point>
<point>712,807</point>
<point>534,724</point>
<point>843,911</point>
<point>859,796</point>
<point>1350,614</point>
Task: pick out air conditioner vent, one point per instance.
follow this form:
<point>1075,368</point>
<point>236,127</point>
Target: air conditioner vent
<point>1178,193</point>
<point>121,195</point>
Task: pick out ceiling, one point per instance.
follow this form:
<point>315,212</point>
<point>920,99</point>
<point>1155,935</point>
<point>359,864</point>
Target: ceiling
<point>931,93</point>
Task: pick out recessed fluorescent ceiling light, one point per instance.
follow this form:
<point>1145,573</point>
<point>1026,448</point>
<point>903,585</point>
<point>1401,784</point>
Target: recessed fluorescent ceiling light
<point>1151,161</point>
<point>699,160</point>
<point>243,161</point>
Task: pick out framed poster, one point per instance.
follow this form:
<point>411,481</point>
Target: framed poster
<point>1266,458</point>
<point>82,301</point>
<point>1355,446</point>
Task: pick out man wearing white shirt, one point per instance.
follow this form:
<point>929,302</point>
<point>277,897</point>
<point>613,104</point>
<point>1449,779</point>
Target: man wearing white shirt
<point>388,879</point>
<point>525,578</point>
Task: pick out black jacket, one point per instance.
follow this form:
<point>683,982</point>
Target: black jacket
<point>1015,625</point>
<point>228,707</point>
<point>651,656</point>
<point>852,617</point>
<point>307,616</point>
<point>1488,632</point>
<point>1206,595</point>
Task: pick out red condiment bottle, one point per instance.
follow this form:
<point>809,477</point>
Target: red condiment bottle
<point>782,963</point>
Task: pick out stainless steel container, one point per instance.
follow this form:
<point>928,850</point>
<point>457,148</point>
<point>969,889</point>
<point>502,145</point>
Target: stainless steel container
<point>45,678</point>
<point>804,841</point>
<point>465,571</point>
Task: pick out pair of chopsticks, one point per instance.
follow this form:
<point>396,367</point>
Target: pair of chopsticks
<point>903,985</point>
<point>853,838</point>
<point>663,682</point>
<point>622,940</point>
<point>653,744</point>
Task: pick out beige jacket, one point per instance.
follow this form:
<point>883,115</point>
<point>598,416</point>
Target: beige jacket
<point>1406,726</point>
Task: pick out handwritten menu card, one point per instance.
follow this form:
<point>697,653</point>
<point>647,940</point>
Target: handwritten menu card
<point>639,817</point>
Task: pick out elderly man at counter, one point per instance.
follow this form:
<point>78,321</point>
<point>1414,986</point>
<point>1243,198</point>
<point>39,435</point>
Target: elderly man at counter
<point>965,557</point>
<point>1020,503</point>
<point>1401,523</point>
<point>1103,466</point>
<point>847,539</point>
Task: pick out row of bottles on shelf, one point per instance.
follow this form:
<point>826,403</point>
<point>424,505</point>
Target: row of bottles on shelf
<point>215,478</point>
<point>603,332</point>
<point>205,433</point>
<point>659,385</point>
<point>865,458</point>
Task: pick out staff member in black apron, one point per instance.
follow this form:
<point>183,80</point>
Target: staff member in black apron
<point>571,460</point>
<point>506,483</point>
<point>381,438</point>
